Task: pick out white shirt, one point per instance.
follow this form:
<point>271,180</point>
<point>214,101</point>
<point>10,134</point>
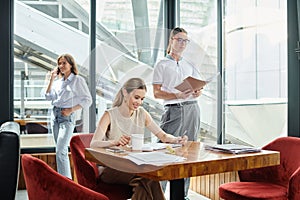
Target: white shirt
<point>169,73</point>
<point>70,92</point>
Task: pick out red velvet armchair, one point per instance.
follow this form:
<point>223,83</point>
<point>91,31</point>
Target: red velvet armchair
<point>43,182</point>
<point>280,182</point>
<point>87,172</point>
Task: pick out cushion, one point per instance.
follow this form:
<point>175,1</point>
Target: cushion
<point>252,190</point>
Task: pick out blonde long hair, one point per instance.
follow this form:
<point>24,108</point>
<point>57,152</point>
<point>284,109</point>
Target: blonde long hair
<point>173,32</point>
<point>129,86</point>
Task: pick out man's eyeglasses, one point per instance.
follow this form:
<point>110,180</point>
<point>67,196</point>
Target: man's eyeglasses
<point>181,40</point>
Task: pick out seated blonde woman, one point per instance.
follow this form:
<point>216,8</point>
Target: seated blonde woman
<point>114,129</point>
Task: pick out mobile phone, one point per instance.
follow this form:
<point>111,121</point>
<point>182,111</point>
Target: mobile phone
<point>58,71</point>
<point>115,150</point>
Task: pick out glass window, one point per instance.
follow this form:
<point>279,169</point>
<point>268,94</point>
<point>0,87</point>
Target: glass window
<point>43,31</point>
<point>130,40</point>
<point>255,71</point>
<point>199,18</point>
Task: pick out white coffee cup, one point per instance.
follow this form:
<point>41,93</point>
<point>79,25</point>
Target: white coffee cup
<point>137,141</point>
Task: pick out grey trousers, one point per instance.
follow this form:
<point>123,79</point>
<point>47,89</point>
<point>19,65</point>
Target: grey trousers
<point>179,120</point>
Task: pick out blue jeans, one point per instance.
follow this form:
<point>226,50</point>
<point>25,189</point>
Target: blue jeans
<point>62,129</point>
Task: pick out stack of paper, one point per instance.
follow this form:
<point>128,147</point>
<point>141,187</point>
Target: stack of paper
<point>232,148</point>
<point>154,158</point>
<point>158,146</point>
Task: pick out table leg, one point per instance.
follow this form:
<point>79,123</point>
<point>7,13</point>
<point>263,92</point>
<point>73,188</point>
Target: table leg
<point>177,189</point>
<point>22,129</point>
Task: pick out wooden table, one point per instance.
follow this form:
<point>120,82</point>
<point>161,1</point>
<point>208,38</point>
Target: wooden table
<point>42,122</point>
<point>198,162</point>
<point>23,121</point>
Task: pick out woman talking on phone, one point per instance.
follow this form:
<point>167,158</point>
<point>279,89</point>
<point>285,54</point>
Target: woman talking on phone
<point>68,92</point>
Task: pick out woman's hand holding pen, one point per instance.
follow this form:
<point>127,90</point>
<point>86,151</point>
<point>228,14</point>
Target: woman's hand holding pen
<point>182,140</point>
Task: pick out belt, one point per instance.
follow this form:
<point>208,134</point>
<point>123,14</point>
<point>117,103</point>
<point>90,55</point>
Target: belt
<point>58,108</point>
<point>181,104</point>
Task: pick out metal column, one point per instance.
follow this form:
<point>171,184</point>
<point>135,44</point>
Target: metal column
<point>92,66</point>
<point>6,60</point>
<point>293,18</point>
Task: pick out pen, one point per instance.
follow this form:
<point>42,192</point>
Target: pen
<point>184,133</point>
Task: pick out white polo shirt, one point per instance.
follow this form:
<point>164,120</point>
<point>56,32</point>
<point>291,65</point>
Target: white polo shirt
<point>169,73</point>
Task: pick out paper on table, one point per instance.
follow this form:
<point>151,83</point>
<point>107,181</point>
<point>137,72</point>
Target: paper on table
<point>193,83</point>
<point>232,148</point>
<point>153,158</point>
<point>158,146</point>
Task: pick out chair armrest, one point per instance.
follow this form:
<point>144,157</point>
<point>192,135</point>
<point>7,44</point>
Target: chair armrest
<point>294,186</point>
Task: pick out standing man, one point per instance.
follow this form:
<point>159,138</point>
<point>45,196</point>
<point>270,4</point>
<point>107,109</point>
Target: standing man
<point>182,112</point>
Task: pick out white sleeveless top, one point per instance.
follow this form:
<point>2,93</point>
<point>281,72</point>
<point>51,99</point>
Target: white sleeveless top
<point>120,125</point>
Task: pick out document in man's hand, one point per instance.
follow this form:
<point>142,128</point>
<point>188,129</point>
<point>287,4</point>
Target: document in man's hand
<point>190,83</point>
<point>193,83</point>
<point>232,148</point>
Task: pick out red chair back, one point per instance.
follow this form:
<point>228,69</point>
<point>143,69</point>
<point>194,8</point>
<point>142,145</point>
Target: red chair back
<point>280,182</point>
<point>42,182</point>
<point>87,172</point>
<point>289,147</point>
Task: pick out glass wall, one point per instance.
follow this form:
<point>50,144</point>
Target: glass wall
<point>142,34</point>
<point>43,31</point>
<point>131,49</point>
<point>255,70</point>
<point>199,18</point>
<point>131,38</point>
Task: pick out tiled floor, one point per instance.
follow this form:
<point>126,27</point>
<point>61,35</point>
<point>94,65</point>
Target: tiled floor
<point>192,195</point>
<point>22,195</point>
<point>195,196</point>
